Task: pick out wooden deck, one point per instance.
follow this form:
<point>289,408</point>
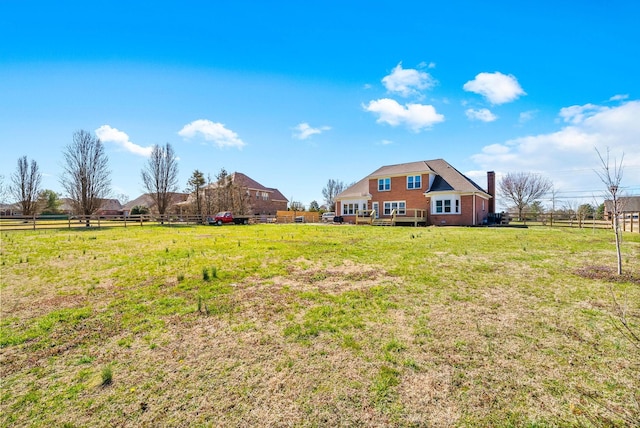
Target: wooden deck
<point>413,216</point>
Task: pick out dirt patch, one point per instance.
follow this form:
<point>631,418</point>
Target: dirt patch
<point>607,273</point>
<point>307,275</point>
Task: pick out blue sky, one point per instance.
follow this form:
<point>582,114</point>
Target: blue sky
<point>295,93</point>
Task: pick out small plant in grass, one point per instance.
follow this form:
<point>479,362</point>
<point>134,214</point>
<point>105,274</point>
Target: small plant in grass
<point>202,306</point>
<point>384,383</point>
<point>205,274</point>
<point>180,277</point>
<point>107,375</point>
<point>214,272</point>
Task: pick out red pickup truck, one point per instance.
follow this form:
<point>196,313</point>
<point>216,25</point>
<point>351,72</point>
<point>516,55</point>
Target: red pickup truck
<point>227,217</point>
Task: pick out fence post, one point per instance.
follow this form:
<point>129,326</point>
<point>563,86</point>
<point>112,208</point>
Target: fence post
<point>34,222</point>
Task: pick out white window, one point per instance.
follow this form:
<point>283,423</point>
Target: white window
<point>384,184</point>
<point>446,205</point>
<point>414,182</point>
<point>399,206</point>
<point>352,207</point>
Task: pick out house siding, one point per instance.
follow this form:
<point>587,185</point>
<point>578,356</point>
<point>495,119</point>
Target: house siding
<point>414,198</point>
<point>259,206</point>
<point>467,213</point>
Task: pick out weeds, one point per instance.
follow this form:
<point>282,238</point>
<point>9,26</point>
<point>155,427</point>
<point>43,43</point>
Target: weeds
<point>107,375</point>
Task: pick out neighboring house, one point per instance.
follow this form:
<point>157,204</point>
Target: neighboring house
<point>260,199</point>
<point>107,207</point>
<point>145,200</point>
<point>110,207</point>
<point>7,210</point>
<point>420,193</point>
<point>628,207</point>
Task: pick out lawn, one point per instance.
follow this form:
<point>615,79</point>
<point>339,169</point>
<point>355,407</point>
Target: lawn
<point>317,325</point>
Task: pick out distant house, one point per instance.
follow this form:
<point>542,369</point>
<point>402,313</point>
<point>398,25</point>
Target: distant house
<point>420,193</point>
<point>107,207</point>
<point>628,207</point>
<point>110,207</point>
<point>7,210</point>
<point>145,200</point>
<point>260,200</point>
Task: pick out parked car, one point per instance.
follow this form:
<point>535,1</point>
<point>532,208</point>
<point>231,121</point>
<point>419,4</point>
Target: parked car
<point>328,216</point>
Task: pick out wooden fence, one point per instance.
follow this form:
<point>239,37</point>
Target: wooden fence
<point>82,222</point>
<point>93,221</point>
<point>628,222</point>
<point>298,216</point>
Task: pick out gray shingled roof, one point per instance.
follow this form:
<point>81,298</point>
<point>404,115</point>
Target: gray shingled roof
<point>447,178</point>
<point>627,204</point>
<point>450,178</point>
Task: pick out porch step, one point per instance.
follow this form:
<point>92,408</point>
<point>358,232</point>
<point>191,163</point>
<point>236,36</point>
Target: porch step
<point>382,222</point>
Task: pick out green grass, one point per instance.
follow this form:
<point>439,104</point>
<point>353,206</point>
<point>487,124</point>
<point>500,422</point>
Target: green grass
<point>316,325</point>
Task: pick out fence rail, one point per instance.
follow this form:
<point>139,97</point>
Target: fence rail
<point>627,223</point>
<point>93,221</point>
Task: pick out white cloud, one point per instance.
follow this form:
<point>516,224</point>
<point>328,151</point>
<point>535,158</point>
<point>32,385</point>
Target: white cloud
<point>619,97</point>
<point>496,87</point>
<point>107,134</point>
<point>567,156</point>
<point>407,82</point>
<point>482,114</point>
<point>386,142</point>
<point>304,131</point>
<point>415,116</point>
<point>212,131</point>
<point>427,65</point>
<point>526,116</point>
<point>576,114</point>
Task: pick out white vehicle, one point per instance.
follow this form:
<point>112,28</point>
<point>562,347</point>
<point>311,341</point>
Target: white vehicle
<point>328,216</point>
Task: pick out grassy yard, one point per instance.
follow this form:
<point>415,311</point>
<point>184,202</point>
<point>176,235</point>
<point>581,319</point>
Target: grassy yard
<point>312,325</point>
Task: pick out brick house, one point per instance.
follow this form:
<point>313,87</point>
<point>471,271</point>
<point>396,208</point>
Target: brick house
<point>419,193</point>
<point>261,200</point>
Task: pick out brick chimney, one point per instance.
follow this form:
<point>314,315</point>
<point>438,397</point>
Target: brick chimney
<point>491,189</point>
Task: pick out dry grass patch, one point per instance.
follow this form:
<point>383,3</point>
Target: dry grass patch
<point>300,327</point>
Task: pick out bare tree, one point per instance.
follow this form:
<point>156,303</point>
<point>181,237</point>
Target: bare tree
<point>611,177</point>
<point>160,176</point>
<point>25,185</point>
<point>330,191</point>
<point>86,173</point>
<point>123,198</point>
<point>523,188</point>
<point>4,190</point>
<point>296,206</point>
<point>583,212</point>
<point>227,193</point>
<point>194,186</point>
